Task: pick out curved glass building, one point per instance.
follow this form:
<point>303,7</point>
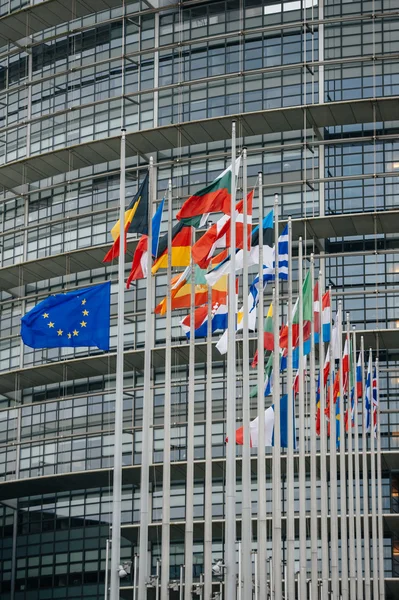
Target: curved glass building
<point>314,88</point>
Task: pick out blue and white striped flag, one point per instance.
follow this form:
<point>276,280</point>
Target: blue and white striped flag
<point>367,398</point>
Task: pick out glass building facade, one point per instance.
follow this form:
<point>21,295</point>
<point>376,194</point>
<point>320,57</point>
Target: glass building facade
<point>314,85</point>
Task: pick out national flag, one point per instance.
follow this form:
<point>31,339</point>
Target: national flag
<point>326,372</point>
<point>218,320</point>
<point>269,427</point>
<point>215,197</point>
<point>180,248</point>
<point>375,401</point>
<point>253,255</point>
<point>268,337</point>
<point>268,381</point>
<point>269,267</point>
<point>135,220</point>
<point>359,378</point>
<point>222,344</point>
<point>140,257</point>
<point>218,235</point>
<point>345,367</point>
<point>307,317</point>
<point>73,319</point>
<point>367,398</point>
<point>338,422</point>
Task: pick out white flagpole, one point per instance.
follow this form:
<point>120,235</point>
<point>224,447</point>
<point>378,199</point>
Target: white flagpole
<point>262,523</point>
<point>313,448</point>
<point>246,531</point>
<point>358,522</point>
<point>165,556</point>
<point>379,487</point>
<point>290,583</point>
<point>230,535</point>
<point>146,451</point>
<point>323,459</point>
<point>333,480</point>
<point>189,528</point>
<point>366,528</point>
<point>351,516</point>
<point>301,439</point>
<point>208,458</point>
<point>117,471</point>
<point>342,469</point>
<point>276,455</point>
<point>374,532</point>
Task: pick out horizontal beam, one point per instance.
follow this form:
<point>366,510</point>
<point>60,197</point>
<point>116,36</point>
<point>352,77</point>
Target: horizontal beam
<point>191,133</point>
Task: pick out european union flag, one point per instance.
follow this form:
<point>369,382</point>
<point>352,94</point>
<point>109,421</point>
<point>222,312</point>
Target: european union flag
<point>78,318</point>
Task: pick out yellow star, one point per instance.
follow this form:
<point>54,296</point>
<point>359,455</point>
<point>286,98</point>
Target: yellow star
<point>75,333</point>
<point>45,315</point>
<point>85,313</point>
<point>69,336</point>
<point>60,332</point>
<point>83,323</point>
<point>84,302</point>
<point>51,324</point>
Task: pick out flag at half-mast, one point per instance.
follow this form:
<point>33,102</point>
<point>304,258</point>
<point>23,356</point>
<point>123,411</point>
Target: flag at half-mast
<point>135,220</point>
<point>215,197</point>
<point>218,235</point>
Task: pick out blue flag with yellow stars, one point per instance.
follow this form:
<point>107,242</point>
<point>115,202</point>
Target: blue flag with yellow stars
<point>78,318</point>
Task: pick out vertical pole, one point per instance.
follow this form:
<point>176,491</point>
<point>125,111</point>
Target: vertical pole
<point>147,405</point>
<point>325,570</point>
<point>379,487</point>
<point>342,469</point>
<point>333,475</point>
<point>117,479</point>
<point>261,471</point>
<point>374,532</point>
<point>313,448</point>
<point>230,535</point>
<point>239,579</point>
<point>366,528</point>
<point>358,523</point>
<point>301,438</point>
<point>276,454</point>
<point>106,569</point>
<point>135,562</point>
<point>351,516</point>
<point>246,532</point>
<point>256,574</point>
<point>208,458</point>
<point>157,580</point>
<point>167,415</point>
<point>290,582</point>
<point>181,587</point>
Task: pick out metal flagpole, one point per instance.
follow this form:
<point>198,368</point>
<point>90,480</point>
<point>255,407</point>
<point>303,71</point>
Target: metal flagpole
<point>342,469</point>
<point>379,487</point>
<point>358,522</point>
<point>323,458</point>
<point>366,529</point>
<point>246,531</point>
<point>276,454</point>
<point>261,473</point>
<point>230,535</point>
<point>301,438</point>
<point>374,532</point>
<point>333,478</point>
<point>165,557</point>
<point>189,527</point>
<point>208,457</point>
<point>351,516</point>
<point>290,583</point>
<point>117,471</point>
<point>313,448</point>
<point>147,401</point>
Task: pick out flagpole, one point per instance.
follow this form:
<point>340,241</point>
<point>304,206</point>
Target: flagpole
<point>301,437</point>
<point>117,471</point>
<point>208,457</point>
<point>379,487</point>
<point>246,530</point>
<point>358,523</point>
<point>290,583</point>
<point>276,453</point>
<point>374,532</point>
<point>189,526</point>
<point>146,450</point>
<point>261,472</point>
<point>366,528</point>
<point>342,469</point>
<point>313,447</point>
<point>351,517</point>
<point>333,479</point>
<point>230,535</point>
<point>323,456</point>
<point>165,557</point>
